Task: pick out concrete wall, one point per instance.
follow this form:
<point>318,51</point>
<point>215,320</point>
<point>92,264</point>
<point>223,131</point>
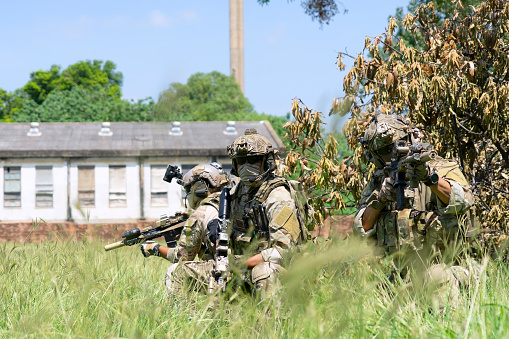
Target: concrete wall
<point>28,211</point>
<point>65,190</point>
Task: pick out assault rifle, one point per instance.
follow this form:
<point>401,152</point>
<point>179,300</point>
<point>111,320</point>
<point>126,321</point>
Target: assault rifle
<point>221,257</point>
<point>404,155</point>
<point>169,227</point>
<point>262,222</point>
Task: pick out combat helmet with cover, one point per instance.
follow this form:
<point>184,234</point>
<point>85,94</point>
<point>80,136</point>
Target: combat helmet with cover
<point>202,179</point>
<point>381,134</point>
<point>252,147</point>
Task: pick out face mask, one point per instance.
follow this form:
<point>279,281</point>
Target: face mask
<point>249,172</point>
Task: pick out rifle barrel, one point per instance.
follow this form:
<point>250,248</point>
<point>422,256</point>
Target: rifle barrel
<point>114,245</point>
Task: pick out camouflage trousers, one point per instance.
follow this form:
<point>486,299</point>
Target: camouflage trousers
<point>444,284</point>
<point>197,276</point>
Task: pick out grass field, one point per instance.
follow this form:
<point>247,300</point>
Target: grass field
<point>76,289</point>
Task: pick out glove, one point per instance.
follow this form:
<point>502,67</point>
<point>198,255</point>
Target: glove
<point>418,172</point>
<point>149,248</point>
<point>387,191</point>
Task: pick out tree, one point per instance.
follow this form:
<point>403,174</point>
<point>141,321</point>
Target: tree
<point>84,104</point>
<point>10,103</point>
<point>211,97</point>
<point>459,78</point>
<point>443,9</point>
<point>86,74</point>
<point>206,97</point>
<point>321,10</point>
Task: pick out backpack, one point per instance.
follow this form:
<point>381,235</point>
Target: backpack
<point>305,212</point>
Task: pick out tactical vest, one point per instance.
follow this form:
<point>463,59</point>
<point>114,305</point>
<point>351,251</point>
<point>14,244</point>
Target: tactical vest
<point>420,222</point>
<point>205,252</point>
<point>243,204</point>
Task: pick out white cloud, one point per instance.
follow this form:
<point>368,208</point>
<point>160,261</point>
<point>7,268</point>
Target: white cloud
<point>159,19</point>
<point>187,15</point>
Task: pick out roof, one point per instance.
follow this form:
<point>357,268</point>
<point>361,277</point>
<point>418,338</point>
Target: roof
<point>82,139</point>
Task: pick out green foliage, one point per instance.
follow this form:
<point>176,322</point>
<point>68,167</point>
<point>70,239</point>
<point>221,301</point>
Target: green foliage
<point>84,104</point>
<point>86,74</point>
<point>211,97</point>
<point>206,97</point>
<point>10,103</point>
<point>338,290</point>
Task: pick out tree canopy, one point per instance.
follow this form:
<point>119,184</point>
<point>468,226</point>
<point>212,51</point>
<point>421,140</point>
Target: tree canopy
<point>459,77</point>
<point>205,97</point>
<point>85,91</point>
<point>85,74</point>
<point>322,11</point>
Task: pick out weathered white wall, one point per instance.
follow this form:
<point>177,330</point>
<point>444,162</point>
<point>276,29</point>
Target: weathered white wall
<point>28,211</point>
<point>101,212</point>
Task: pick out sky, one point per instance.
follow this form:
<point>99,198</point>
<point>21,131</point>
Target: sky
<point>155,43</point>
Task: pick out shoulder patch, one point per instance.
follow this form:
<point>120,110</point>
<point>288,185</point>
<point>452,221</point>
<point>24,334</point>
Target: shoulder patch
<point>288,220</point>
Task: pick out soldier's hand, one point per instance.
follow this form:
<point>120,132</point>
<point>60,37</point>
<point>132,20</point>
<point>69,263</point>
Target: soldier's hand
<point>418,172</point>
<point>387,191</point>
<point>149,248</point>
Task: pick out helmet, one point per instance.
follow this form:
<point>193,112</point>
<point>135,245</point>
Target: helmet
<point>252,144</point>
<point>383,131</point>
<point>205,176</point>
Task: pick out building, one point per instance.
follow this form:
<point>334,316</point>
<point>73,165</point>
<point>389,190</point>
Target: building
<point>109,172</point>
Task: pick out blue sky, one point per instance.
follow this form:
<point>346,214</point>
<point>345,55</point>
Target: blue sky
<point>154,43</point>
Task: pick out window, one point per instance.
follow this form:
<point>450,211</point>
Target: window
<point>12,186</point>
<point>86,186</point>
<point>158,187</point>
<point>118,186</point>
<point>43,186</point>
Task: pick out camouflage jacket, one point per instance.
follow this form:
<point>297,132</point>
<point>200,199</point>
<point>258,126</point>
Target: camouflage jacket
<point>281,213</point>
<point>425,218</point>
<point>194,237</point>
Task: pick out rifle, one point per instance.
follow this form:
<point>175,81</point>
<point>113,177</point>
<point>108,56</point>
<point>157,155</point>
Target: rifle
<point>418,153</point>
<point>221,255</point>
<point>169,227</point>
<point>262,222</point>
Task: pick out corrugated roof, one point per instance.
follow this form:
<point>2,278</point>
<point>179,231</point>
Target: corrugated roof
<point>81,139</point>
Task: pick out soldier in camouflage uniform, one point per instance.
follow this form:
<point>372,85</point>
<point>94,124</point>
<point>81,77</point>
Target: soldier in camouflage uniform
<point>254,162</point>
<point>437,215</point>
<point>202,184</point>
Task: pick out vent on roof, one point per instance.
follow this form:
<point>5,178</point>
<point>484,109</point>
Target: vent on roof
<point>230,128</point>
<point>175,130</point>
<point>105,129</point>
<point>34,130</point>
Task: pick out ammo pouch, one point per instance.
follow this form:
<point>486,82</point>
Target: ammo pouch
<point>264,270</point>
<point>397,230</point>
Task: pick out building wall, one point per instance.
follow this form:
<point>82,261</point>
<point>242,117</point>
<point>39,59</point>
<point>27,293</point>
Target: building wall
<point>28,211</point>
<point>102,212</point>
<point>66,205</point>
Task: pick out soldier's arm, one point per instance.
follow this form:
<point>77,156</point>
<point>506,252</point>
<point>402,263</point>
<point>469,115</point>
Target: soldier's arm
<point>453,191</point>
<point>366,216</point>
<point>442,190</point>
<point>192,237</point>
